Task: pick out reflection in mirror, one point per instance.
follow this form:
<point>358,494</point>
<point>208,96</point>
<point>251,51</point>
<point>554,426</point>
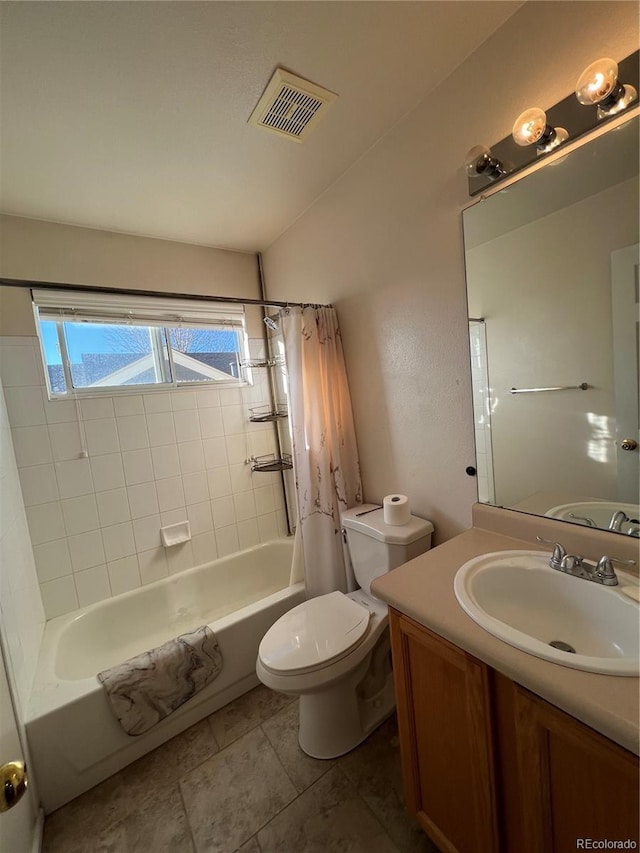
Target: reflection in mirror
<point>552,280</point>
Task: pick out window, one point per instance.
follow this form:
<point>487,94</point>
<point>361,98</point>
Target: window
<point>97,342</point>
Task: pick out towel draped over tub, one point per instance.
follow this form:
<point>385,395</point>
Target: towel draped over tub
<point>148,687</point>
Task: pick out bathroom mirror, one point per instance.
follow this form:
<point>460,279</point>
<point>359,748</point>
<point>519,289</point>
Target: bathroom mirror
<point>552,284</point>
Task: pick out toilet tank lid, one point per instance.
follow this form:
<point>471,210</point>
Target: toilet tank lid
<point>372,524</point>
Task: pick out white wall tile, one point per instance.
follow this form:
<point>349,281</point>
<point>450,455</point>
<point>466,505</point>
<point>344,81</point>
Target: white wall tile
<point>191,457</point>
<point>96,407</point>
<point>196,488</point>
<point>268,527</point>
<point>18,366</point>
<point>223,512</point>
<point>25,406</point>
<point>230,396</point>
<point>124,574</point>
<point>132,432</point>
<point>153,565</point>
<point>59,596</point>
<point>159,402</point>
<point>211,424</point>
<point>80,514</point>
<point>118,541</point>
<point>173,516</point>
<point>183,399</point>
<point>137,467</point>
<point>143,500</point>
<point>241,477</point>
<point>146,532</point>
<point>45,522</point>
<point>92,585</point>
<point>39,484</point>
<point>227,540</point>
<point>199,516</point>
<point>102,436</point>
<point>248,534</point>
<point>234,419</point>
<point>165,461</point>
<point>52,560</point>
<point>245,506</point>
<point>179,558</point>
<point>131,404</point>
<point>264,501</point>
<point>74,478</point>
<point>65,441</point>
<point>215,452</point>
<point>60,411</point>
<point>207,398</point>
<point>161,429</point>
<point>219,482</point>
<point>31,445</point>
<point>187,425</point>
<point>86,550</point>
<point>113,506</point>
<point>204,548</point>
<point>107,472</point>
<point>170,493</point>
<point>237,450</point>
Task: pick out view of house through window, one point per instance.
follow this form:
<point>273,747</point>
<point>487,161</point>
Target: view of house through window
<point>85,352</point>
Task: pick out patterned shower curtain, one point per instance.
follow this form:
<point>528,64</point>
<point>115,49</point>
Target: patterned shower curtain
<point>325,454</point>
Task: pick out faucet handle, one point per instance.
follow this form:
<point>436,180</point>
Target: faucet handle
<point>605,571</point>
<point>559,552</point>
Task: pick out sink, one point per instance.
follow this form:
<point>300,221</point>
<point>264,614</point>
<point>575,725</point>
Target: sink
<point>598,511</point>
<point>517,597</point>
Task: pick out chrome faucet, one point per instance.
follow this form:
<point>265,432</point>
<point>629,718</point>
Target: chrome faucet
<point>571,564</point>
<point>618,518</point>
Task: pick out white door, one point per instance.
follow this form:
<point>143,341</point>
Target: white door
<point>625,264</point>
<point>18,823</point>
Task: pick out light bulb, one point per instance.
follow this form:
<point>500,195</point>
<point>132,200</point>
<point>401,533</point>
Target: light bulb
<point>531,128</point>
<point>599,84</point>
<point>479,161</point>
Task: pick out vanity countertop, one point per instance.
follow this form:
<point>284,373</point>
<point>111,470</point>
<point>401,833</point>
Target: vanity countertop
<point>423,590</point>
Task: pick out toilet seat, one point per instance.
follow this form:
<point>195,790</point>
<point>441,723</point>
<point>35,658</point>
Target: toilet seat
<point>313,634</point>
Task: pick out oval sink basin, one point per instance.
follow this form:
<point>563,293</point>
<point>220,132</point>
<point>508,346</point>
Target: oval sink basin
<point>599,512</point>
<point>519,598</point>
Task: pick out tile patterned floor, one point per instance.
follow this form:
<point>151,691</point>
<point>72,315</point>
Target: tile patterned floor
<point>238,781</point>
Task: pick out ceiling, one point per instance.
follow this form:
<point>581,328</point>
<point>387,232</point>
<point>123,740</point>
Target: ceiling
<point>132,116</point>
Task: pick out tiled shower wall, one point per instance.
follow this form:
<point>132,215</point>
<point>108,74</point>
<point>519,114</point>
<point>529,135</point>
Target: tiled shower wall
<point>152,459</point>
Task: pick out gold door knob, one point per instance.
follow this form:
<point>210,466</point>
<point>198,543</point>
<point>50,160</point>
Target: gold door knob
<point>13,781</point>
<point>628,444</point>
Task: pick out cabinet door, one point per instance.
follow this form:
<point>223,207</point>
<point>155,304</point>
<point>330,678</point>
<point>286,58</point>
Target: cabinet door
<point>574,783</point>
<point>445,738</point>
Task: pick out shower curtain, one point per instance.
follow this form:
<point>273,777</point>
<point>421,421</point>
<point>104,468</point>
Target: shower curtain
<point>325,455</point>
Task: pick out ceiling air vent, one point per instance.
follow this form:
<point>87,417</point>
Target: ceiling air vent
<point>291,106</point>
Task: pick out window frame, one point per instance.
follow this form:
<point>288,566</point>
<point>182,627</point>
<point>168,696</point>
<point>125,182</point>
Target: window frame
<point>160,312</point>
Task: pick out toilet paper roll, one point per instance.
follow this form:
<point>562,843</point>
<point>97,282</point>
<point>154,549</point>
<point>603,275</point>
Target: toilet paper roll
<point>396,510</point>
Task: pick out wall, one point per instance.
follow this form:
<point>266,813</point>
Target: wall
<point>21,615</point>
<point>153,459</point>
<point>384,245</point>
<point>543,442</point>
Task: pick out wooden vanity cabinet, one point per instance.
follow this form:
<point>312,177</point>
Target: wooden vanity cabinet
<point>488,766</point>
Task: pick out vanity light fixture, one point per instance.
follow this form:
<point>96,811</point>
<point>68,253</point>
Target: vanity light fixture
<point>599,84</point>
<point>480,162</point>
<point>531,128</point>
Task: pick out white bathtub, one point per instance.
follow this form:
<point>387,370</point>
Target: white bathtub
<point>75,739</point>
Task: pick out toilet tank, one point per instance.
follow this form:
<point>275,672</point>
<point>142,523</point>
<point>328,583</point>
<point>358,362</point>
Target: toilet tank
<point>376,547</point>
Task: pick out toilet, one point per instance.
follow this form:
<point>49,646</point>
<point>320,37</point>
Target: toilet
<point>333,651</point>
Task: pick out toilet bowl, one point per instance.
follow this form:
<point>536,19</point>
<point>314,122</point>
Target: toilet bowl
<point>333,651</point>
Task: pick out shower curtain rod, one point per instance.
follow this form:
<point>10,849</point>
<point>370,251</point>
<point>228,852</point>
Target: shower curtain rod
<point>119,291</point>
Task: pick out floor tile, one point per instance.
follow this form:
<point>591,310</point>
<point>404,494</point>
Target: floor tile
<point>374,770</point>
<point>235,792</point>
<point>250,846</point>
<point>158,772</point>
<point>161,827</point>
<point>69,838</point>
<point>282,731</point>
<point>102,806</point>
<point>329,817</point>
<point>245,713</point>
